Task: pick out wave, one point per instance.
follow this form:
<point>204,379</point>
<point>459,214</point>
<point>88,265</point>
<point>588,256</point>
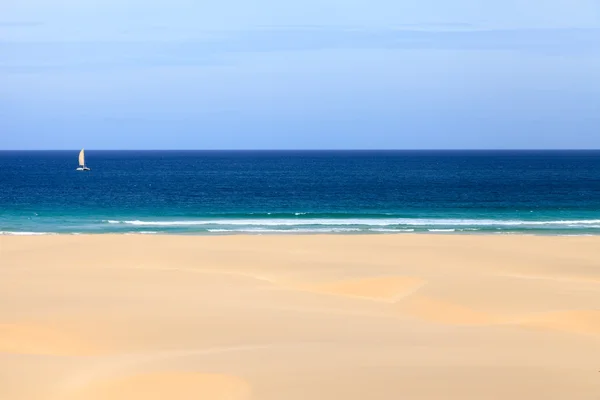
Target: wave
<point>300,230</point>
<point>384,222</point>
<point>12,233</point>
<point>390,230</point>
<point>576,234</point>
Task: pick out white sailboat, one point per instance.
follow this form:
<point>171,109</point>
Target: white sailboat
<point>82,166</point>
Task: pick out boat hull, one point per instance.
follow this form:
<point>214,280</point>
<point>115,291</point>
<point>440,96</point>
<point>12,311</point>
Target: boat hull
<point>83,169</point>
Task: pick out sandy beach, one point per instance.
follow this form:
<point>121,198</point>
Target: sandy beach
<point>299,317</point>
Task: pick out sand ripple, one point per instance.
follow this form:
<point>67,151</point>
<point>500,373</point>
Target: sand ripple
<point>388,288</point>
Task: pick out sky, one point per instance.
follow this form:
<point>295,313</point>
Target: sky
<point>315,74</point>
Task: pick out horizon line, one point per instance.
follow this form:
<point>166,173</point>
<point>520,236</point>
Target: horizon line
<point>323,150</point>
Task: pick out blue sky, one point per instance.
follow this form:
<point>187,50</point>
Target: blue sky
<point>329,74</point>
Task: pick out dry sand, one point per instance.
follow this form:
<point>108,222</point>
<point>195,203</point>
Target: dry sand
<point>299,317</point>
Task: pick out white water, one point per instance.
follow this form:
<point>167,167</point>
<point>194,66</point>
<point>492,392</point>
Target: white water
<point>591,223</point>
<point>26,233</point>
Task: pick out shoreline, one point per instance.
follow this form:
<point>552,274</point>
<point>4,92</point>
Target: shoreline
<point>284,234</point>
<point>267,224</point>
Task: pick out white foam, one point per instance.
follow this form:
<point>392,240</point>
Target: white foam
<point>591,223</point>
<point>26,233</point>
<point>441,230</point>
<point>299,230</point>
<point>390,230</point>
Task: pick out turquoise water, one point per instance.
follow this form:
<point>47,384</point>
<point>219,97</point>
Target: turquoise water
<point>196,192</point>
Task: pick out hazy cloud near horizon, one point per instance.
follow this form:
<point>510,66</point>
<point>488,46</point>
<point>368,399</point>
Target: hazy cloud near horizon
<point>317,74</point>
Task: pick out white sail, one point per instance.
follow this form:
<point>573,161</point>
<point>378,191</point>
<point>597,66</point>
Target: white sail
<point>81,158</point>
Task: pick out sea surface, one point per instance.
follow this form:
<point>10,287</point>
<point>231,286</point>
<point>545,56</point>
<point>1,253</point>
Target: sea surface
<point>301,192</point>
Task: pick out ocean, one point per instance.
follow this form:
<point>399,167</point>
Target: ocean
<point>300,192</point>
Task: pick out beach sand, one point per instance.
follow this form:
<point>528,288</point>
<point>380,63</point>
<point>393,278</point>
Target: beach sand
<point>299,317</point>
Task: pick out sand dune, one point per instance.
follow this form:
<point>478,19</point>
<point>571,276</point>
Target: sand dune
<point>299,317</point>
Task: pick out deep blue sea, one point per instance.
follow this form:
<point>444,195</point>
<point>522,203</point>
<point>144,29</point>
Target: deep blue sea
<point>262,192</point>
